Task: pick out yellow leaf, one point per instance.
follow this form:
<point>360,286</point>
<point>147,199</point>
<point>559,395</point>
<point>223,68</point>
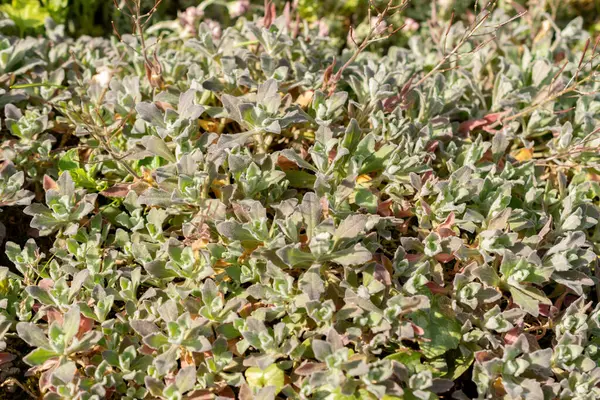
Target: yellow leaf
<point>364,178</point>
<point>217,185</point>
<point>305,98</point>
<point>499,386</point>
<point>209,126</point>
<point>593,177</point>
<point>524,155</point>
<point>147,176</point>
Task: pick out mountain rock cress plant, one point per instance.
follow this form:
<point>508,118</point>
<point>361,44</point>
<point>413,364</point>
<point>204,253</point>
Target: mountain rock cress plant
<point>233,229</point>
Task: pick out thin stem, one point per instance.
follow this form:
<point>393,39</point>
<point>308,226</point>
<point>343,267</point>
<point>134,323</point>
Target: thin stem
<point>370,38</point>
<point>20,385</point>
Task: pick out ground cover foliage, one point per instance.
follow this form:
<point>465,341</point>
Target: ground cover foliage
<point>197,211</point>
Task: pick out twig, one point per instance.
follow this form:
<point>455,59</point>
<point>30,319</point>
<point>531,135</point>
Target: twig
<point>102,136</point>
<point>475,26</point>
<point>579,148</point>
<point>597,275</point>
<point>572,86</point>
<point>20,385</point>
<point>372,36</point>
<point>447,33</point>
<point>138,22</point>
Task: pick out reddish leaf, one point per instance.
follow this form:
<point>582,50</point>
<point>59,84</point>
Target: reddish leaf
<point>332,154</point>
<point>418,331</point>
<point>49,183</point>
<point>324,206</point>
<point>6,357</point>
<point>426,208</point>
<point>404,210</point>
<point>482,356</point>
<point>146,350</point>
<point>404,226</point>
<point>44,383</point>
<point>413,257</point>
<point>309,368</point>
<point>327,73</point>
<point>52,315</point>
<point>227,392</point>
<point>547,310</point>
<point>432,146</point>
<point>426,176</point>
<point>382,275</point>
<point>120,190</point>
<point>491,118</point>
<point>471,125</point>
<point>435,288</point>
<point>46,284</point>
<point>287,14</point>
<point>391,103</point>
<point>85,325</point>
<point>163,106</point>
<point>512,336</point>
<point>245,392</point>
<point>270,14</point>
<point>385,208</point>
<point>445,228</point>
<point>201,394</point>
<point>285,163</point>
<point>444,258</point>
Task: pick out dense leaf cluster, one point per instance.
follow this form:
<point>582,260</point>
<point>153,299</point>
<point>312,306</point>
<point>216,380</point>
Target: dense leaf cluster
<point>230,226</point>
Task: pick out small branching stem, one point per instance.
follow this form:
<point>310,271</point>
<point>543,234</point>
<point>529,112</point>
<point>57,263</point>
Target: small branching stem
<point>139,22</point>
<point>374,35</point>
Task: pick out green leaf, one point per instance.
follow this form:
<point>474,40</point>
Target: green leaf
<point>186,379</point>
<point>70,324</point>
<point>111,357</point>
<point>409,358</point>
<point>441,331</point>
<point>39,356</point>
<point>321,349</point>
<point>65,372</point>
<point>40,294</point>
<point>293,156</point>
<point>529,298</point>
<point>292,255</point>
<point>300,179</point>
<point>158,147</point>
<point>155,386</point>
<point>33,335</point>
<point>156,340</point>
<point>352,136</point>
<point>311,212</point>
<point>271,376</point>
<point>311,283</point>
<point>158,269</point>
<point>143,327</point>
<point>377,161</point>
<point>351,227</point>
<point>365,198</point>
<point>85,343</point>
<point>461,360</point>
<point>155,197</point>
<point>149,112</point>
<point>356,255</point>
<point>69,161</point>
